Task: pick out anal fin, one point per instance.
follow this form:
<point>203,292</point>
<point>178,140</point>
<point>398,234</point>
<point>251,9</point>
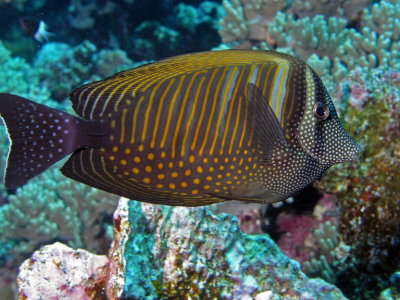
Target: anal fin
<point>231,197</point>
<point>90,167</point>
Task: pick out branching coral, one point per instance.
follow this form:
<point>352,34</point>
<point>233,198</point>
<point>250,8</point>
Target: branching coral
<point>18,77</point>
<point>247,23</point>
<point>61,67</point>
<point>308,35</point>
<point>376,44</point>
<point>349,9</point>
<point>53,207</point>
<point>247,20</point>
<point>67,66</point>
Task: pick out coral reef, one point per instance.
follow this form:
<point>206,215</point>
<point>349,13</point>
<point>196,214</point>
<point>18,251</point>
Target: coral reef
<point>313,239</point>
<point>349,9</point>
<point>188,29</point>
<point>61,67</point>
<point>24,5</point>
<point>18,77</point>
<point>172,253</point>
<point>375,44</point>
<point>247,20</point>
<point>43,276</point>
<point>393,292</point>
<point>49,208</point>
<point>368,190</point>
<point>249,23</point>
<point>83,14</point>
<point>362,39</point>
<point>147,30</point>
<point>192,248</point>
<point>356,249</point>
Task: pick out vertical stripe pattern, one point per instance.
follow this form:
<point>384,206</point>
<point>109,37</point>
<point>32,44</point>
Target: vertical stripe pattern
<point>182,128</point>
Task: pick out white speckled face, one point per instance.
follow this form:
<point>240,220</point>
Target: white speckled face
<point>320,133</point>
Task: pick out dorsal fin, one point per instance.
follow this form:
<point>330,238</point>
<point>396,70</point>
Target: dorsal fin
<point>97,99</point>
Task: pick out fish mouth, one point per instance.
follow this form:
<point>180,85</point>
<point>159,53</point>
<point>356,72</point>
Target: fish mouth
<point>348,151</point>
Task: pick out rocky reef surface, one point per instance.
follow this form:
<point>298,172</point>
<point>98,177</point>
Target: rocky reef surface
<point>171,253</point>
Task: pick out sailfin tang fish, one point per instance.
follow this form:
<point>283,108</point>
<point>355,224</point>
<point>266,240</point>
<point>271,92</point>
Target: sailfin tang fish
<point>190,130</point>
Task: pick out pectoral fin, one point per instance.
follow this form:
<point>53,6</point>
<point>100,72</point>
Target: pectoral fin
<point>268,135</point>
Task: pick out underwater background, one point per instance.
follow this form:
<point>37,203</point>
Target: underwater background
<point>337,239</point>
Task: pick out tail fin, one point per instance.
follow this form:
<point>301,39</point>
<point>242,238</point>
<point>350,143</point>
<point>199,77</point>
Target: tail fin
<point>39,137</point>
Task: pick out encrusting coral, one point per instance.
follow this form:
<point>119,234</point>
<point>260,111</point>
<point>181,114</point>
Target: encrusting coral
<point>368,190</point>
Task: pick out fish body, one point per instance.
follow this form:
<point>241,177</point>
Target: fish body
<point>35,28</point>
<point>190,130</point>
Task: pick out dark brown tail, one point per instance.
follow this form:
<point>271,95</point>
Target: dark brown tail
<point>39,137</point>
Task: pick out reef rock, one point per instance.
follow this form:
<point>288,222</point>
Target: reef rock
<point>59,272</point>
<point>172,253</point>
<point>164,252</point>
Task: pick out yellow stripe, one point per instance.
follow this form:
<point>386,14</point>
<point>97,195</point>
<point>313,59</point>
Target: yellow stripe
<point>223,107</point>
<point>171,109</point>
<point>259,73</point>
<point>279,99</point>
<point>123,121</point>
<point>105,86</point>
<point>203,109</point>
<point>244,129</point>
<point>228,121</point>
<point>213,108</point>
<point>134,121</point>
<point>114,180</point>
<point>137,85</point>
<point>289,104</point>
<point>192,112</point>
<point>88,97</point>
<point>136,79</point>
<point>266,85</point>
<point>159,110</point>
<point>108,86</point>
<point>182,110</point>
<point>148,109</point>
<point>239,107</point>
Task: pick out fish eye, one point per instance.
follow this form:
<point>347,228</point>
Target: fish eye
<point>321,111</point>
